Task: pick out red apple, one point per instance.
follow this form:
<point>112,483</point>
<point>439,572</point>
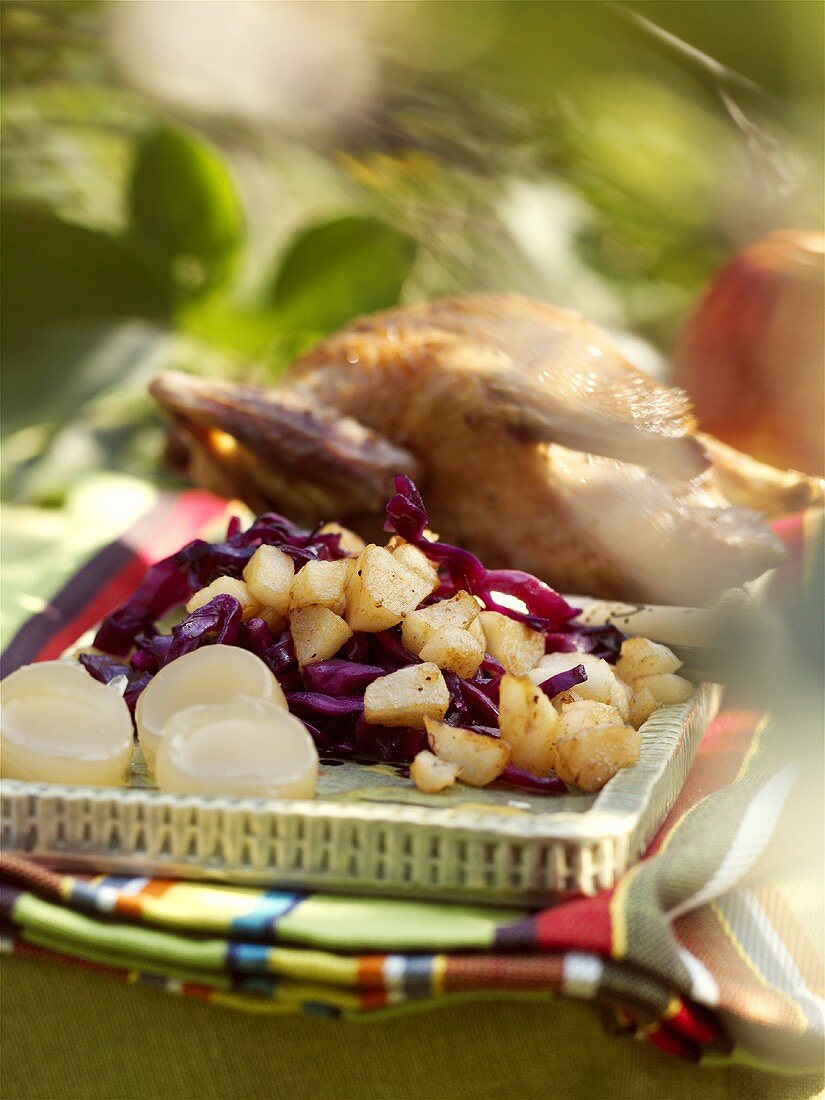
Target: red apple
<point>752,354</point>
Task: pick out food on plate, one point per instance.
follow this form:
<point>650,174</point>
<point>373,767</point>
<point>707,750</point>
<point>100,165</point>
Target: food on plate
<point>60,726</point>
<point>212,675</point>
<point>480,759</point>
<point>247,748</point>
<point>431,774</point>
<point>413,652</point>
<point>407,697</point>
<point>539,446</point>
<point>591,755</point>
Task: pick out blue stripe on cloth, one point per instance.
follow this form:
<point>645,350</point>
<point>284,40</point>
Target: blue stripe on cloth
<point>118,882</point>
<point>315,1008</point>
<point>256,983</point>
<point>160,981</point>
<point>86,896</point>
<point>247,958</point>
<point>8,897</point>
<point>418,975</point>
<point>259,922</point>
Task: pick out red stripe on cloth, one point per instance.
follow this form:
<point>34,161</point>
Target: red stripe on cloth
<point>199,992</point>
<point>582,925</point>
<point>190,514</point>
<point>30,950</point>
<point>717,764</point>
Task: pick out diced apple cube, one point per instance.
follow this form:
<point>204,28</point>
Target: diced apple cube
<point>666,688</point>
<point>380,590</point>
<point>407,697</point>
<point>348,541</point>
<point>566,698</point>
<point>268,575</point>
<point>528,722</point>
<point>480,758</point>
<point>460,611</point>
<point>589,758</point>
<point>621,695</point>
<point>641,657</point>
<point>321,584</point>
<point>578,716</point>
<point>431,774</point>
<point>453,648</point>
<point>642,705</point>
<point>600,678</point>
<point>225,586</point>
<point>511,642</point>
<point>418,561</point>
<point>317,634</point>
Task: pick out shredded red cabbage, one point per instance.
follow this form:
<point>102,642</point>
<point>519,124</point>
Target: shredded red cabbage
<point>328,696</point>
<point>546,609</point>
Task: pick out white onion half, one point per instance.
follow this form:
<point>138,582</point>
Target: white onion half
<point>213,674</point>
<point>245,748</point>
<point>58,725</point>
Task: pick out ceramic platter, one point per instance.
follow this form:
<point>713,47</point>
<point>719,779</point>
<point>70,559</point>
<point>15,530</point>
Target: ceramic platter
<point>370,830</point>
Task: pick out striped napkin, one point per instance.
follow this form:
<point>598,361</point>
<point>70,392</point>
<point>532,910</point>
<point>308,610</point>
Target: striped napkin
<point>708,948</point>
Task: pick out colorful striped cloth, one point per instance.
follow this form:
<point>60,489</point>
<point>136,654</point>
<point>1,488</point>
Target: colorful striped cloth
<point>708,948</point>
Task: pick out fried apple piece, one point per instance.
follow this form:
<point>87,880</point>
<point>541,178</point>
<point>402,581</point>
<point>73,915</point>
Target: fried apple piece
<point>593,755</point>
<point>642,657</point>
<point>432,774</point>
<point>600,677</point>
<point>455,649</point>
<point>511,642</point>
<point>381,591</point>
<point>580,715</point>
<point>642,705</point>
<point>666,688</point>
<point>414,559</point>
<point>225,586</point>
<point>407,697</point>
<point>528,722</point>
<point>460,611</point>
<point>480,758</point>
<point>317,633</point>
<point>321,584</point>
<point>268,575</point>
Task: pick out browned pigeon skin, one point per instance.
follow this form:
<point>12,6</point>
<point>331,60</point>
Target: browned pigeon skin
<point>535,444</point>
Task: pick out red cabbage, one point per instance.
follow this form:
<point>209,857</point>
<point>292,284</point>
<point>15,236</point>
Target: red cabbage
<point>546,609</point>
<point>336,677</point>
<point>218,621</point>
<point>105,669</point>
<point>317,703</point>
<point>526,781</point>
<point>328,695</point>
<point>564,681</point>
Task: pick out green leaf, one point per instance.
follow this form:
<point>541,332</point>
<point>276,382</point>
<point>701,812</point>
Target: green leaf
<point>53,267</point>
<point>338,270</point>
<point>184,210</point>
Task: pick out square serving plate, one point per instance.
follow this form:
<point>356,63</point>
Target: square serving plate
<point>370,830</point>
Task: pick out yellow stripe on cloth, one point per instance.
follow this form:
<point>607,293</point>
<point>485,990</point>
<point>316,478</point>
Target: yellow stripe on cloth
<point>725,925</point>
<point>618,914</point>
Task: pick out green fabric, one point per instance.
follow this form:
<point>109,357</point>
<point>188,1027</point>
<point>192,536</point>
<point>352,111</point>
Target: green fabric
<point>85,1038</point>
<point>43,546</point>
<point>393,925</point>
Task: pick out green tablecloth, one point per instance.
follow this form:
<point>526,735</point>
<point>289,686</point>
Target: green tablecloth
<point>74,1034</point>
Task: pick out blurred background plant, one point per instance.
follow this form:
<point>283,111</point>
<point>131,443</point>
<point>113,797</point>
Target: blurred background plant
<point>214,185</point>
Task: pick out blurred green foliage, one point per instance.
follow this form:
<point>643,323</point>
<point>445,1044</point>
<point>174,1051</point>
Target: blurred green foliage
<point>156,213</point>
